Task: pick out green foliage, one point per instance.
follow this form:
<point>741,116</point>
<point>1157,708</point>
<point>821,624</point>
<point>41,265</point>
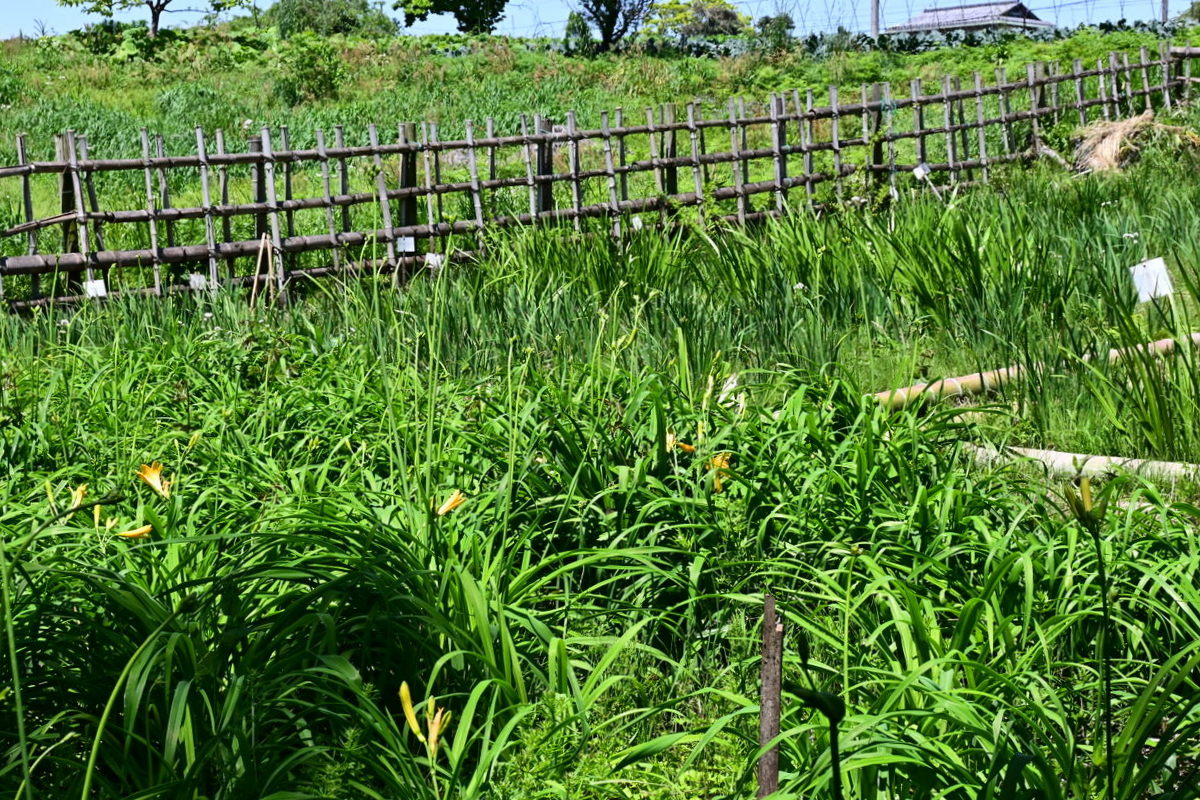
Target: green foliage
<point>472,17</point>
<point>578,39</point>
<point>330,17</point>
<point>12,87</point>
<point>774,33</point>
<point>307,68</point>
<point>693,19</point>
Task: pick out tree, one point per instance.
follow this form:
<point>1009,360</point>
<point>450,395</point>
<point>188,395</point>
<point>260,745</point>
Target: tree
<point>615,19</point>
<point>107,8</point>
<point>328,17</point>
<point>775,33</point>
<point>477,17</point>
<point>578,39</point>
<point>695,19</point>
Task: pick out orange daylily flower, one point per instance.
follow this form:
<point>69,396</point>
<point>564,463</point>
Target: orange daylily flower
<point>719,464</point>
<point>137,533</point>
<point>152,475</point>
<point>454,501</point>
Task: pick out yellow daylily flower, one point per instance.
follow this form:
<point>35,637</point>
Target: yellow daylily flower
<point>152,475</point>
<point>441,722</point>
<point>454,501</point>
<point>673,443</point>
<point>719,464</point>
<point>77,495</point>
<point>409,713</point>
<point>137,533</point>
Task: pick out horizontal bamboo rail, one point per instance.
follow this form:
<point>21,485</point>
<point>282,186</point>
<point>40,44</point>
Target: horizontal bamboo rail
<point>388,203</point>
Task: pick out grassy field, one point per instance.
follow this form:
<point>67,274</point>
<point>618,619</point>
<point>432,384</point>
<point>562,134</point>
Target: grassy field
<point>546,491</point>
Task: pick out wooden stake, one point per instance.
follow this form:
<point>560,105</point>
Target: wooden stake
<point>771,698</point>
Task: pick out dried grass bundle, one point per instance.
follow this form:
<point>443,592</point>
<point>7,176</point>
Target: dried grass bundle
<point>1109,146</point>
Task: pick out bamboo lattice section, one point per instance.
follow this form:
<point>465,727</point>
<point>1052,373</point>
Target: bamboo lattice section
<point>275,213</point>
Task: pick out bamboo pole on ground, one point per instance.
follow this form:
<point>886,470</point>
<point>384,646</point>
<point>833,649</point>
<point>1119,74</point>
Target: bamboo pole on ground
<point>980,382</point>
<point>1067,466</point>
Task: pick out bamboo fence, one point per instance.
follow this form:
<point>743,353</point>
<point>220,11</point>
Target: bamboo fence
<point>274,213</point>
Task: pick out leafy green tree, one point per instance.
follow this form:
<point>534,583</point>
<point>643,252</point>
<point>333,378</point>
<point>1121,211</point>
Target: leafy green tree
<point>472,17</point>
<point>107,8</point>
<point>328,17</point>
<point>775,33</point>
<point>696,19</point>
<point>578,39</point>
<point>614,20</point>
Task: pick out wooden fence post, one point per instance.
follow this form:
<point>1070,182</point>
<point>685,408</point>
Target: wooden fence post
<point>1164,58</point>
<point>1080,92</point>
<point>948,126</point>
<point>808,138</point>
<point>80,209</point>
<point>1115,87</point>
<point>872,134</point>
<point>381,196</point>
<point>542,127</point>
<point>223,190</point>
<point>1035,104</point>
<point>407,135</point>
<point>210,232</point>
<point>573,161</point>
<point>289,216</point>
<point>31,243</point>
<point>835,136</point>
<point>980,120</point>
<point>273,212</point>
<point>473,171</point>
<point>610,171</point>
<point>670,149</point>
<point>736,150</point>
<point>778,143</point>
<point>697,168</point>
<point>964,135</point>
<point>1144,59</point>
<point>151,211</point>
<point>771,698</point>
<point>918,106</point>
<point>339,141</point>
<point>327,193</point>
<point>258,186</point>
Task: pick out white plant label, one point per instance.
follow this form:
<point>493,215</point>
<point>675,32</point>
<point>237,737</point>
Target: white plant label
<point>434,261</point>
<point>406,244</point>
<point>95,288</point>
<point>197,282</point>
<point>921,172</point>
<point>1151,280</point>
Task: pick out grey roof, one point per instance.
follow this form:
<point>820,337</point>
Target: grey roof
<point>979,15</point>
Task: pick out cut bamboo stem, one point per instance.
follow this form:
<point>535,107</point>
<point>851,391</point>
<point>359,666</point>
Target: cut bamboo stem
<point>1067,466</point>
<point>980,382</point>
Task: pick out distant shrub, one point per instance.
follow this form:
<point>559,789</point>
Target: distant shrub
<point>308,68</point>
<point>330,17</point>
<point>11,86</point>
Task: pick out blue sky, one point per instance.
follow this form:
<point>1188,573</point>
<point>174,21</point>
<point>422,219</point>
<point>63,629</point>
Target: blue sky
<point>547,17</point>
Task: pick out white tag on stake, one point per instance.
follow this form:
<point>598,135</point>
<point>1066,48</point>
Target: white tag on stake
<point>1151,280</point>
<point>197,282</point>
<point>406,245</point>
<point>920,172</point>
<point>95,288</point>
